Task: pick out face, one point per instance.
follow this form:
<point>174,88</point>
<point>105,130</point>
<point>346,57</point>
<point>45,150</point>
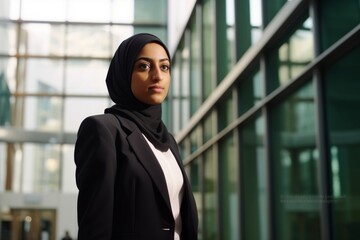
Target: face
<point>151,74</point>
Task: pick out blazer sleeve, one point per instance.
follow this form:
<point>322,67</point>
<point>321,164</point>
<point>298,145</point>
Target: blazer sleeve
<point>95,159</point>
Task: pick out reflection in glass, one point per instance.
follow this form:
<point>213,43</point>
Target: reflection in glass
<point>342,103</point>
<point>229,189</point>
<point>253,180</point>
<point>295,166</point>
<point>294,53</point>
<point>42,39</point>
<point>86,77</point>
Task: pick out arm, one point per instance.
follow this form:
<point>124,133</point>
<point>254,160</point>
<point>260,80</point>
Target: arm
<point>95,159</point>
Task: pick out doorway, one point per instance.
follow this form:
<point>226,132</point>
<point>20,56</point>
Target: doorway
<point>28,224</point>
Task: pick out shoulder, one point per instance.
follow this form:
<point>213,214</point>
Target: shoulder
<point>99,123</point>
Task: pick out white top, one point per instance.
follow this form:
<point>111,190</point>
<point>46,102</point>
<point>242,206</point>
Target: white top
<point>174,181</point>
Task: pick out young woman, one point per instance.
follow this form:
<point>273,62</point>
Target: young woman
<point>131,181</point>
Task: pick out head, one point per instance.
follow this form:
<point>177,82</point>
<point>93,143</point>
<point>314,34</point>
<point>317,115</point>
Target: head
<point>139,73</point>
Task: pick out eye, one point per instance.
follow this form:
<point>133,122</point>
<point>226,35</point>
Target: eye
<point>144,66</point>
<point>165,67</point>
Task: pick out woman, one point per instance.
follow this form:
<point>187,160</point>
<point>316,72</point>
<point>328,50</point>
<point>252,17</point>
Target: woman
<point>132,184</point>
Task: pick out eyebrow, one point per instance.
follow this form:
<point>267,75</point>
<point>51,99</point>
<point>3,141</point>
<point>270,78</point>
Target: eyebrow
<point>151,60</point>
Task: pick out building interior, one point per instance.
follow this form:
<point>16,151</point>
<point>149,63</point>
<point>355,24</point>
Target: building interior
<point>264,104</point>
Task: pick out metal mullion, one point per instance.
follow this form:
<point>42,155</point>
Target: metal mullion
<point>321,133</point>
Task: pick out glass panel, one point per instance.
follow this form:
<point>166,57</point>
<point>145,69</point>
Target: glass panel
<point>122,11</point>
<point>336,19</point>
<point>194,177</point>
<point>195,71</point>
<point>9,9</point>
<point>160,32</point>
<point>208,45</point>
<point>256,22</point>
<point>86,77</point>
<point>5,105</point>
<point>230,33</point>
<point>253,181</point>
<point>229,189</point>
<point>42,39</point>
<point>184,82</point>
<point>287,61</point>
<point>250,91</point>
<point>53,10</point>
<point>175,91</point>
<point>3,165</point>
<point>225,111</point>
<point>8,72</point>
<point>76,109</point>
<point>272,8</point>
<point>68,170</point>
<point>88,40</point>
<point>210,200</point>
<point>342,103</point>
<point>40,170</point>
<point>119,34</point>
<point>248,16</point>
<point>42,113</point>
<point>145,9</point>
<point>7,75</point>
<point>89,10</point>
<point>295,164</point>
<point>8,38</point>
<point>40,75</point>
<point>208,128</point>
<point>194,140</point>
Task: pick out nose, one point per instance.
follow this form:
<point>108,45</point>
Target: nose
<point>157,74</point>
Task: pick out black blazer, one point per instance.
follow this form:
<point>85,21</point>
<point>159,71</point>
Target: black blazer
<point>122,189</point>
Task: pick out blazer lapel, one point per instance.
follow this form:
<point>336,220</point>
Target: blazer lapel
<point>150,163</point>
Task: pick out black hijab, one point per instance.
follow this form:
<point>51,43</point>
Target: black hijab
<point>118,81</point>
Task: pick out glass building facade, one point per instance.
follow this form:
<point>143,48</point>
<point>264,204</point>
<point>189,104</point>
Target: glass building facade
<point>263,103</point>
<point>54,57</point>
<point>265,113</point>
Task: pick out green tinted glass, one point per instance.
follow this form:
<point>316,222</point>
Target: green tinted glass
<point>253,180</point>
<point>295,166</point>
<point>342,86</point>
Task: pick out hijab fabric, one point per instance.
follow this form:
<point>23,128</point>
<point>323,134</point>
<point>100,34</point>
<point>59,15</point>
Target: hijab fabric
<point>118,82</point>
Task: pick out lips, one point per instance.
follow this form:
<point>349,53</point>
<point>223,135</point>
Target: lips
<point>156,89</point>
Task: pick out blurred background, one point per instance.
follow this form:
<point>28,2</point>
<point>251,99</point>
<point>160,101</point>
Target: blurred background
<point>264,103</point>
